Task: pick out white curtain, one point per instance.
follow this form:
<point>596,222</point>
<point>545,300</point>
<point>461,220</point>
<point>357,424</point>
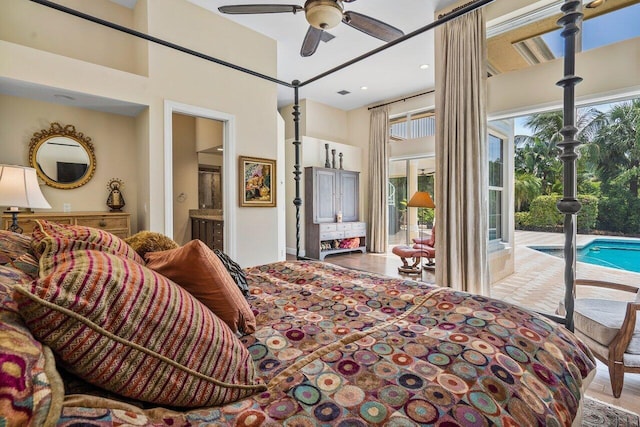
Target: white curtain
<point>378,179</point>
<point>461,155</point>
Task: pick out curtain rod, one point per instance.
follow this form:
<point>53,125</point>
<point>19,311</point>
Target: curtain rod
<point>455,9</point>
<point>403,99</point>
<point>448,17</point>
<point>158,41</point>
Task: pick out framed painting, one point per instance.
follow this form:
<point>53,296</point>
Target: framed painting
<point>257,182</point>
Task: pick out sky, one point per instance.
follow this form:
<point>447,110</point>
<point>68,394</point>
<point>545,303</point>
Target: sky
<point>603,30</point>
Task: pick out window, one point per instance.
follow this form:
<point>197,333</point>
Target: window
<point>533,37</point>
<point>412,126</point>
<point>496,187</point>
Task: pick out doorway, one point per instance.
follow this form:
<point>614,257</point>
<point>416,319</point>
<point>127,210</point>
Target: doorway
<point>406,176</point>
<point>228,170</point>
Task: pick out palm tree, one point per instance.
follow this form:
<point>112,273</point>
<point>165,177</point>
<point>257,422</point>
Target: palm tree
<point>537,154</point>
<point>617,146</point>
<point>526,188</point>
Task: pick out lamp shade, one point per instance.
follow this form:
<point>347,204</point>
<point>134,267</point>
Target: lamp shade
<point>19,188</point>
<point>421,199</point>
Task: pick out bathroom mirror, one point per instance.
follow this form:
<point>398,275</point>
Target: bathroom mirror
<point>62,157</point>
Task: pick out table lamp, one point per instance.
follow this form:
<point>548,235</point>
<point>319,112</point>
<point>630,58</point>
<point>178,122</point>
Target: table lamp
<point>19,188</point>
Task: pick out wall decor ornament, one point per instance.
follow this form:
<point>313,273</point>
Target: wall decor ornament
<point>340,155</point>
<point>326,153</point>
<point>257,182</point>
<point>115,201</point>
<point>333,158</point>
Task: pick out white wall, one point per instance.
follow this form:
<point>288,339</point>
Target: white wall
<point>113,137</point>
<point>312,153</point>
<point>62,45</point>
<point>185,175</point>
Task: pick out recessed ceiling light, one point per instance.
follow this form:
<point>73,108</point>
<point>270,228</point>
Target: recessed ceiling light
<point>595,3</point>
<point>364,88</point>
<point>61,96</point>
<point>424,66</point>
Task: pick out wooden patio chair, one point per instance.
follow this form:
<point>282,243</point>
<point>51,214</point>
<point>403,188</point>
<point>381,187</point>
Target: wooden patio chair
<point>611,329</point>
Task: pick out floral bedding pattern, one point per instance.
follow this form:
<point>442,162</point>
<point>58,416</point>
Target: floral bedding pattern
<point>348,348</point>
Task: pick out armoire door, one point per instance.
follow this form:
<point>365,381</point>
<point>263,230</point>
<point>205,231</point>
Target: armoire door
<point>324,204</point>
<point>349,195</point>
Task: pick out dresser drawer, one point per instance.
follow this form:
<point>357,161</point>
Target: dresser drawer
<point>28,224</point>
<point>343,226</point>
<point>354,233</point>
<point>103,222</point>
<point>328,227</point>
<point>358,226</point>
<point>332,235</point>
<point>113,222</point>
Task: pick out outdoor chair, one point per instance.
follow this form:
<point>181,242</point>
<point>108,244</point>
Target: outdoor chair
<point>611,329</point>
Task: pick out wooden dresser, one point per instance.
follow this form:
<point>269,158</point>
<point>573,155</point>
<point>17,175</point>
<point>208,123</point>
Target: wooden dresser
<point>209,229</point>
<point>118,223</point>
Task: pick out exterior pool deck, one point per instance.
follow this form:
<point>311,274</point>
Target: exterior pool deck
<point>538,281</point>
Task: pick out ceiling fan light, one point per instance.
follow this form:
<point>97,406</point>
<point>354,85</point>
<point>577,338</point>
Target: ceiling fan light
<point>323,14</point>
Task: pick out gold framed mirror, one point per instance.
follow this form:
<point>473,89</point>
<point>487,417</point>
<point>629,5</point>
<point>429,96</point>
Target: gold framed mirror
<point>63,157</point>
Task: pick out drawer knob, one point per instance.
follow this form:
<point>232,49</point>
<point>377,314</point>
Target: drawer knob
<point>102,223</point>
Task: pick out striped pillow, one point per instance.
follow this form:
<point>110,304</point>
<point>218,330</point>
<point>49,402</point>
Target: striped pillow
<point>103,240</point>
<point>125,328</point>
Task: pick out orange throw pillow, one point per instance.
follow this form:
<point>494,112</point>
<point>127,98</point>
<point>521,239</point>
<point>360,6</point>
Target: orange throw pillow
<point>198,270</point>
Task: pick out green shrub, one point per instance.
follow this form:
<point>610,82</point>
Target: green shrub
<point>588,213</point>
<point>426,215</point>
<point>619,214</point>
<point>545,214</point>
<point>523,220</point>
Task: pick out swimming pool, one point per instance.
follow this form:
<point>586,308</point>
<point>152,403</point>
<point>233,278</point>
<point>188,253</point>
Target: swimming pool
<point>620,254</point>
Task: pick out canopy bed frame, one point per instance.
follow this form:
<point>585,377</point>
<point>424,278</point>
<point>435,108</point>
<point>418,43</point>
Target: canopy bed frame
<point>568,205</point>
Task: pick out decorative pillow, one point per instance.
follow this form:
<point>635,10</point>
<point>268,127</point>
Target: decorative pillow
<point>149,241</point>
<point>103,240</point>
<point>31,391</point>
<point>125,328</point>
<point>198,270</point>
<point>236,272</point>
<point>13,245</point>
<point>28,264</point>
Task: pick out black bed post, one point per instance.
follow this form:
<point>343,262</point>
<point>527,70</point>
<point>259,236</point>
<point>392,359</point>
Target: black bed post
<point>296,167</point>
<point>569,204</point>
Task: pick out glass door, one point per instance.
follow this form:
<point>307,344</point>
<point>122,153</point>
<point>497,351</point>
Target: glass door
<point>407,176</point>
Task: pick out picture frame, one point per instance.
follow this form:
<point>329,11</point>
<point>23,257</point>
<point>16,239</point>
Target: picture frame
<point>257,178</point>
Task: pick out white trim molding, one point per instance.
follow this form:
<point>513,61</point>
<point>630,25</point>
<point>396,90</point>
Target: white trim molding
<point>229,168</point>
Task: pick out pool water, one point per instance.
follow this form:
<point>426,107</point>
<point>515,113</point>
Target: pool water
<point>620,254</point>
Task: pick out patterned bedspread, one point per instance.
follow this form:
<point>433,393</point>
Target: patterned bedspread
<point>348,348</point>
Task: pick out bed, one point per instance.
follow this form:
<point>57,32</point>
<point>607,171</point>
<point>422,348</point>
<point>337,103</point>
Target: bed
<point>334,346</point>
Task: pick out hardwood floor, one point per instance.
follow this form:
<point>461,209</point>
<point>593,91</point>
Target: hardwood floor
<point>529,288</point>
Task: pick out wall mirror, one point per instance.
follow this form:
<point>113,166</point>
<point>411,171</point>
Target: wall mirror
<point>62,157</point>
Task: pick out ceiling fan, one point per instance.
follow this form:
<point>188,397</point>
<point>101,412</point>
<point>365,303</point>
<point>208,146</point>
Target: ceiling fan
<point>322,15</point>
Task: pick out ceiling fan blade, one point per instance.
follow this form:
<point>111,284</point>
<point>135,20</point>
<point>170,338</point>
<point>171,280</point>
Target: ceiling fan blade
<point>242,9</point>
<point>311,41</point>
<point>371,26</point>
